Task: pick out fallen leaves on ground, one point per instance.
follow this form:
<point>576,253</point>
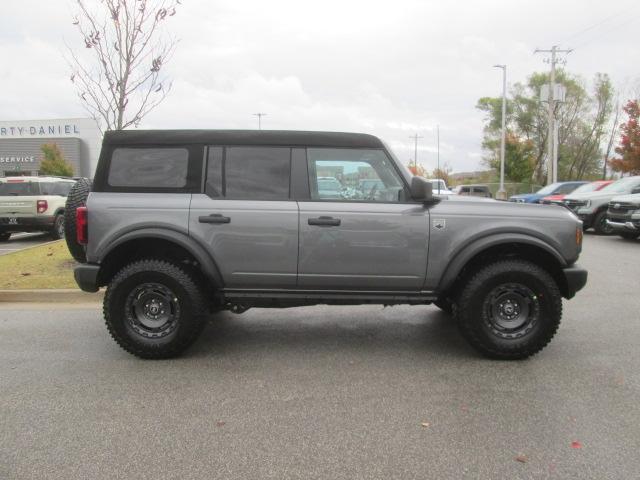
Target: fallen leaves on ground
<point>521,458</point>
<point>425,424</point>
<point>576,444</point>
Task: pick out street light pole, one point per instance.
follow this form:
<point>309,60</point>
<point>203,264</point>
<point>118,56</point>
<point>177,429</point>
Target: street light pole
<point>415,152</point>
<point>502,194</point>
<point>259,115</point>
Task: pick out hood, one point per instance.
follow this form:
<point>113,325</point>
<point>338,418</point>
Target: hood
<point>633,198</point>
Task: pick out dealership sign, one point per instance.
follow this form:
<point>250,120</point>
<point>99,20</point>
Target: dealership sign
<point>27,159</point>
<point>68,129</point>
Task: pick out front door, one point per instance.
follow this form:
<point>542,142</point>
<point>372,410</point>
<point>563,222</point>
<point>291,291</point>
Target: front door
<point>246,218</point>
<point>359,231</point>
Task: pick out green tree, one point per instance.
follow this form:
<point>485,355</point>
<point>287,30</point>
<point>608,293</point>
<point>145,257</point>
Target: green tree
<point>54,162</point>
<point>582,118</point>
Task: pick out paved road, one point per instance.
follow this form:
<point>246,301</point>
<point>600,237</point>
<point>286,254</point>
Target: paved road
<point>328,392</point>
<point>19,241</point>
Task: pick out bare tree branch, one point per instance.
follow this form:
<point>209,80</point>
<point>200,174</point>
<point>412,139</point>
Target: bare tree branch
<point>122,81</point>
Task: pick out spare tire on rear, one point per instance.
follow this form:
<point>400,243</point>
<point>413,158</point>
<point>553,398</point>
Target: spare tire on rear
<point>77,198</point>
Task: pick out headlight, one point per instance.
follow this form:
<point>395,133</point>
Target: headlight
<point>587,204</point>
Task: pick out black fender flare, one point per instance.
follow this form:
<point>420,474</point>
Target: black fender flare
<point>207,263</point>
<point>469,251</point>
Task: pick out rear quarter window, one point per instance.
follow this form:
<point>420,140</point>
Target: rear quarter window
<point>156,168</point>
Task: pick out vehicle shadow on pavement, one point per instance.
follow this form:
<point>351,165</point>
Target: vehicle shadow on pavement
<point>420,331</point>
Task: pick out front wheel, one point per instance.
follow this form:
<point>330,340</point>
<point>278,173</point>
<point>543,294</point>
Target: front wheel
<point>154,309</point>
<point>509,309</point>
<point>600,224</point>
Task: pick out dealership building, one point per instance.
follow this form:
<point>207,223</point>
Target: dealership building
<point>79,140</point>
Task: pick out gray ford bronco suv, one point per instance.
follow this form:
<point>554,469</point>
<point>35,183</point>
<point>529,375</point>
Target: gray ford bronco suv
<point>179,225</point>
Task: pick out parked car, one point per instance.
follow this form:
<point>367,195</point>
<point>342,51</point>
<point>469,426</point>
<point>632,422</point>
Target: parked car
<point>234,220</point>
<point>623,216</point>
<point>330,187</point>
<point>475,190</point>
<point>440,187</point>
<point>559,188</point>
<point>592,207</point>
<point>33,204</point>
<point>586,188</point>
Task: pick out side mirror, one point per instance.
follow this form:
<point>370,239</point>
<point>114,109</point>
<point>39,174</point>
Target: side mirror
<point>421,189</point>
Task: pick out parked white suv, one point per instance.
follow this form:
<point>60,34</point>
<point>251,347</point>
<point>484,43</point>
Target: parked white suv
<point>33,204</point>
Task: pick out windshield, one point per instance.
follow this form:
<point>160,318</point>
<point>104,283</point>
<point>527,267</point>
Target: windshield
<point>623,185</point>
<point>548,190</point>
<point>438,184</point>
<point>18,189</point>
<point>587,187</point>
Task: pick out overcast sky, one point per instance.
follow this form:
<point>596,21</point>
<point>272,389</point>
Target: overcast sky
<point>390,68</point>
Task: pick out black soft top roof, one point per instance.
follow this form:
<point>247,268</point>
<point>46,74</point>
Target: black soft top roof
<point>241,137</point>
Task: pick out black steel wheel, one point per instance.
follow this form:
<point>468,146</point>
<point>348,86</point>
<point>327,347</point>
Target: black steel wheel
<point>154,309</point>
<point>600,224</point>
<point>509,309</point>
<point>57,232</point>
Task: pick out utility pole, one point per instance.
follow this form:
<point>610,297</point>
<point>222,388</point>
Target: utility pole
<point>501,194</point>
<point>415,154</point>
<point>552,162</point>
<point>259,115</point>
<point>438,154</point>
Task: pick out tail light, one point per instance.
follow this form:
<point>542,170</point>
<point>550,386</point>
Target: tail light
<point>42,206</point>
<point>82,225</point>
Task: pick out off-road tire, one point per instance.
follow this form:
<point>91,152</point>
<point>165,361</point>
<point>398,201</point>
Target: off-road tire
<point>121,316</point>
<point>599,224</point>
<point>629,235</point>
<point>4,237</point>
<point>476,321</point>
<point>57,232</point>
<point>77,198</point>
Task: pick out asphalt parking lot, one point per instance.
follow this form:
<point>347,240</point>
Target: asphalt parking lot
<point>20,241</point>
<point>329,392</point>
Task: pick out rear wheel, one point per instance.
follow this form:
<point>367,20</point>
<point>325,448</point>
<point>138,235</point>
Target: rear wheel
<point>154,309</point>
<point>4,237</point>
<point>509,309</point>
<point>600,224</point>
<point>57,232</point>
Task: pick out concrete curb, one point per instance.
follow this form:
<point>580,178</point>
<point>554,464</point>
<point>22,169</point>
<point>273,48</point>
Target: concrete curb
<point>52,295</point>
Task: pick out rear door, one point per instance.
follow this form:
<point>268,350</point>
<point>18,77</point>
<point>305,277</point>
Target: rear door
<point>246,216</point>
<point>373,237</point>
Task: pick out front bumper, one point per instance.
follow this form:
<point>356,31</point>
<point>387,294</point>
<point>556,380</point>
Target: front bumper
<point>86,277</point>
<point>624,226</point>
<point>34,223</point>
<point>575,279</point>
<point>586,216</point>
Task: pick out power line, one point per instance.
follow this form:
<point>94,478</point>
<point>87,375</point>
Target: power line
<point>606,32</point>
<point>596,25</point>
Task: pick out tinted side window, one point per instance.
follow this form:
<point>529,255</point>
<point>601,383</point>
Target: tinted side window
<point>345,174</point>
<point>256,173</point>
<point>62,188</point>
<point>149,167</point>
